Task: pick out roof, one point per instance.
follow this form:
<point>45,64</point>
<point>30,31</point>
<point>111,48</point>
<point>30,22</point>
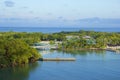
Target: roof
<point>86,37</point>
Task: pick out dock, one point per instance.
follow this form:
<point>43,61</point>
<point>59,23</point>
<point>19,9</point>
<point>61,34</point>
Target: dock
<point>57,59</point>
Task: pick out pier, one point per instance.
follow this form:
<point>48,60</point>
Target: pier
<point>57,59</point>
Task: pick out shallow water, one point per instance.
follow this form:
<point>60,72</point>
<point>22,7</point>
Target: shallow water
<point>89,65</point>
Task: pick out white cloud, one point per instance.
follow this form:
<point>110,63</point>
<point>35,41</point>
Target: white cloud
<point>9,3</point>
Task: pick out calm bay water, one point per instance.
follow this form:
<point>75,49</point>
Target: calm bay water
<point>53,29</point>
<point>90,65</point>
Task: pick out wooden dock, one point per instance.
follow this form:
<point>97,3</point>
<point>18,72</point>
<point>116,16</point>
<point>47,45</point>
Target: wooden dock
<point>57,59</point>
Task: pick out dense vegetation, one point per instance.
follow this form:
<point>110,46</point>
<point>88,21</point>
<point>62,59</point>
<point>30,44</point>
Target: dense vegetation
<point>90,39</point>
<point>16,51</point>
<point>78,39</point>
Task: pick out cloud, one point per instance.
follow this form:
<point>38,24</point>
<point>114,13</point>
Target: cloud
<point>9,4</point>
<point>90,20</point>
<point>11,19</point>
<point>98,22</point>
<point>49,14</point>
<point>31,12</point>
<point>25,7</point>
<point>60,17</point>
<point>65,5</point>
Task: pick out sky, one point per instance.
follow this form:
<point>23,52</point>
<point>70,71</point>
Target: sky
<point>59,13</point>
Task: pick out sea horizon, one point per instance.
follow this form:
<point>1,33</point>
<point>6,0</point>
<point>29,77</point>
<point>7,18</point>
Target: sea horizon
<point>57,29</point>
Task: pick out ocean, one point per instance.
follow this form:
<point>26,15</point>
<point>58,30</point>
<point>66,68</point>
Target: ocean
<point>55,29</point>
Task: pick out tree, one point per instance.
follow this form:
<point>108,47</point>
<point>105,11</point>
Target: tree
<point>15,51</point>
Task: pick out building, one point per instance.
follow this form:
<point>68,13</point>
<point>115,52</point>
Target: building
<point>71,37</point>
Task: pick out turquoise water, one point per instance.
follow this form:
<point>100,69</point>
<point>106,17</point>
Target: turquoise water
<point>89,65</point>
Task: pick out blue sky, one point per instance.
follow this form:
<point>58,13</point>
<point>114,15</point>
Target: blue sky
<point>60,13</point>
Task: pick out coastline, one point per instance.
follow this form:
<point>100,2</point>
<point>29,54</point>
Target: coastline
<point>107,49</point>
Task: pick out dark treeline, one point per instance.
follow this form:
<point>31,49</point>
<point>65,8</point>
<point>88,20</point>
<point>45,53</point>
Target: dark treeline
<point>31,38</point>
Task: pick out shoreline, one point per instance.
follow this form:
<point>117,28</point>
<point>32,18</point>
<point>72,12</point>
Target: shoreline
<point>107,49</point>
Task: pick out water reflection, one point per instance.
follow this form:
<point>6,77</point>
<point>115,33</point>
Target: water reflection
<point>18,73</point>
<point>82,54</point>
<point>85,52</point>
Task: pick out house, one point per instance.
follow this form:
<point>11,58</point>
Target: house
<point>71,37</point>
<point>86,37</point>
<point>89,40</point>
